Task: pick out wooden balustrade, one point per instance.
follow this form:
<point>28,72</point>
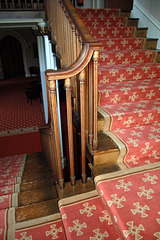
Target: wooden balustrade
<point>79,54</point>
<point>22,4</point>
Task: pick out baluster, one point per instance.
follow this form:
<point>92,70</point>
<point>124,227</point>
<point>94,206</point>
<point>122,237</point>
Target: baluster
<point>56,130</point>
<point>6,3</point>
<point>38,5</point>
<point>13,5</point>
<point>82,114</point>
<point>95,113</point>
<point>70,129</point>
<point>32,4</point>
<point>19,4</point>
<point>86,107</point>
<point>90,120</point>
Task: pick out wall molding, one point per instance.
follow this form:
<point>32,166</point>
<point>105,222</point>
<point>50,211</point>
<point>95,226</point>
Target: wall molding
<point>147,14</point>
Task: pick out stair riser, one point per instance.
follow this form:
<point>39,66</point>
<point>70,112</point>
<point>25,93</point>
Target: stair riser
<point>111,58</point>
<point>107,74</point>
<point>107,22</point>
<point>131,118</point>
<point>147,90</point>
<point>103,32</point>
<point>141,33</point>
<point>151,44</point>
<point>124,44</point>
<point>132,22</point>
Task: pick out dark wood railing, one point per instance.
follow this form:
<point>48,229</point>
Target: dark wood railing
<point>79,54</point>
<point>21,5</point>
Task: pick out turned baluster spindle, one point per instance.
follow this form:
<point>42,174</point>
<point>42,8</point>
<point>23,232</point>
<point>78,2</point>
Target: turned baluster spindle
<point>90,99</point>
<point>87,96</point>
<point>70,130</point>
<point>56,130</point>
<point>95,97</point>
<point>82,116</point>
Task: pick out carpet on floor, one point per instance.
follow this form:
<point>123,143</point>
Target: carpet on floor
<point>10,175</point>
<point>49,227</point>
<point>19,121</point>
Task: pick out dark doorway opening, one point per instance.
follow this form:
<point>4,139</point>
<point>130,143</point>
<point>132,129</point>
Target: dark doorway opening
<point>11,57</point>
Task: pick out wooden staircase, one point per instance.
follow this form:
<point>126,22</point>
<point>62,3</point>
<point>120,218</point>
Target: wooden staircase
<point>38,196</point>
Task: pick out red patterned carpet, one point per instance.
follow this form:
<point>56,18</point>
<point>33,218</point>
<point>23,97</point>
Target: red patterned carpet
<point>19,121</point>
<point>129,87</point>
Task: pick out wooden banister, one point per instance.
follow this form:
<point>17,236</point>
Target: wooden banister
<point>79,53</point>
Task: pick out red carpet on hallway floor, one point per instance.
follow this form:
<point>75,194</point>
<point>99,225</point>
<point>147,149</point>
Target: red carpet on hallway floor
<point>19,121</point>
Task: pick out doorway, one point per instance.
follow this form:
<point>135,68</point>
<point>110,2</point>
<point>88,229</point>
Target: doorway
<point>11,57</point>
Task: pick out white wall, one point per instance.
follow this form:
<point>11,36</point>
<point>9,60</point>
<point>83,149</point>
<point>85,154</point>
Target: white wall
<point>148,12</point>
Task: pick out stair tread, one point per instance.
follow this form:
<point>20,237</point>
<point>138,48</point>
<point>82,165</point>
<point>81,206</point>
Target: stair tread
<point>36,210</point>
<point>36,184</point>
<point>38,195</point>
<point>36,176</point>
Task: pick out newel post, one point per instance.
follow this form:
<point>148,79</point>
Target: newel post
<point>70,129</point>
<point>95,97</point>
<point>82,114</point>
<point>54,118</point>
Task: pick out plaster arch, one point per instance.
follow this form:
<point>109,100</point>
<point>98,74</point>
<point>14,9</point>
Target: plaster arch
<point>23,44</point>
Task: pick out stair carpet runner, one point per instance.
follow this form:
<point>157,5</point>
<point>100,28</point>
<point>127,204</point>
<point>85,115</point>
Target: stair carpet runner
<point>10,178</point>
<point>129,86</point>
<point>125,203</point>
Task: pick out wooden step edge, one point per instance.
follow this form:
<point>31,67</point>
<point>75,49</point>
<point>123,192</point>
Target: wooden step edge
<point>104,169</point>
<point>124,14</point>
<point>36,210</point>
<point>151,43</point>
<point>107,152</point>
<point>78,188</point>
<point>132,22</point>
<point>158,56</point>
<point>140,32</point>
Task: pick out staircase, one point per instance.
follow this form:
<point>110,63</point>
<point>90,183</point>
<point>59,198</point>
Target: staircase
<point>126,201</point>
<point>128,84</point>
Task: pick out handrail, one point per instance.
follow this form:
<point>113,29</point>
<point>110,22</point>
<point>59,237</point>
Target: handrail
<point>73,69</point>
<point>79,53</point>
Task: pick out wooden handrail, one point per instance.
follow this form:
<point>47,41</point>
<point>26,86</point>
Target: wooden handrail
<point>73,69</point>
<point>79,53</point>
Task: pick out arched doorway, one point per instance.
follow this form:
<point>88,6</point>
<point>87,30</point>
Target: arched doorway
<point>11,57</point>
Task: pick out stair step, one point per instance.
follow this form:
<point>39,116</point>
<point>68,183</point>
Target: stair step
<point>36,210</point>
<point>79,188</point>
<point>151,43</point>
<point>141,32</point>
<point>113,58</point>
<point>107,168</point>
<point>36,176</point>
<point>36,184</point>
<point>124,14</point>
<point>100,122</point>
<point>107,151</point>
<point>132,22</point>
<point>114,44</point>
<point>39,169</point>
<point>38,195</point>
